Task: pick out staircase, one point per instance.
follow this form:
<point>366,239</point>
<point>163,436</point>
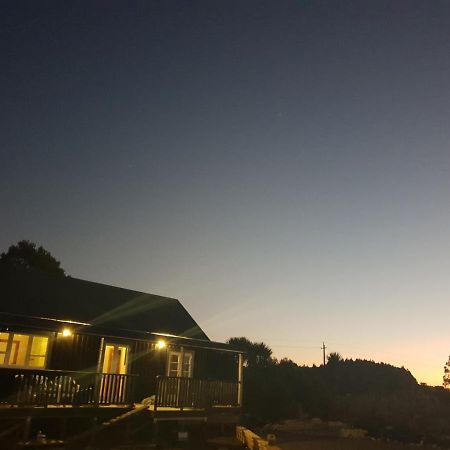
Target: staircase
<point>114,430</point>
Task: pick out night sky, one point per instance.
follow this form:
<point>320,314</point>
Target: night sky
<point>282,167</point>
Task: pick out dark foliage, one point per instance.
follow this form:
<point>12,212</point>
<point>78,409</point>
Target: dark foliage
<point>26,255</point>
<point>446,377</point>
<point>334,358</point>
<point>385,400</point>
<point>256,353</point>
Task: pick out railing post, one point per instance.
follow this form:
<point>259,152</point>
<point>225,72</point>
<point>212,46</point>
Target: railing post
<point>181,392</point>
<point>157,393</point>
<point>240,379</point>
<point>97,388</point>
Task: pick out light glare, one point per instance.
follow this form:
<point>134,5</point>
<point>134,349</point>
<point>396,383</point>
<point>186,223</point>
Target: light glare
<point>66,332</point>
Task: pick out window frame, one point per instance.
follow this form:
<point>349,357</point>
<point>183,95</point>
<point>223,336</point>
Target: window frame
<point>9,348</point>
<point>181,354</point>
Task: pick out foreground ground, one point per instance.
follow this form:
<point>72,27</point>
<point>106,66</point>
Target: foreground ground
<point>306,444</point>
<point>284,443</point>
<point>346,444</point>
<point>316,434</point>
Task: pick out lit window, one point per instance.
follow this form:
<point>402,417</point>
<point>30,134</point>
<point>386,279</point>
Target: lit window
<point>18,350</point>
<point>3,346</point>
<point>23,350</point>
<point>38,351</point>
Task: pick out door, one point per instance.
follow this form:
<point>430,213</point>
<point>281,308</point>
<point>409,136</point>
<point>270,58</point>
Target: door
<point>179,369</point>
<point>115,359</point>
<point>114,369</point>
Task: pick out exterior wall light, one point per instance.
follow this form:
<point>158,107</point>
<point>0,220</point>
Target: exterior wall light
<point>161,344</point>
<point>66,332</point>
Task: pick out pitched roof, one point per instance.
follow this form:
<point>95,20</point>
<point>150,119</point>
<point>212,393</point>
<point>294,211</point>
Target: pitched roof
<point>39,294</point>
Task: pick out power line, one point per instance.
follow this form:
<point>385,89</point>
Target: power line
<point>315,347</point>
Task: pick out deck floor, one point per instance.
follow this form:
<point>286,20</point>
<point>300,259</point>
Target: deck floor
<point>150,408</point>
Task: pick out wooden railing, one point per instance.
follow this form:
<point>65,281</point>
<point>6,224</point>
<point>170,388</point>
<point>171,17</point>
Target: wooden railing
<point>177,392</point>
<point>25,387</point>
<point>115,388</point>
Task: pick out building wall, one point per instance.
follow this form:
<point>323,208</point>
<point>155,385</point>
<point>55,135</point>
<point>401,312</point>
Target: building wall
<point>215,365</point>
<point>77,352</point>
<point>148,363</point>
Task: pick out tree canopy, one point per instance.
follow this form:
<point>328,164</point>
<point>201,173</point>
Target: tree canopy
<point>334,358</point>
<point>27,255</point>
<point>446,378</point>
<point>256,353</point>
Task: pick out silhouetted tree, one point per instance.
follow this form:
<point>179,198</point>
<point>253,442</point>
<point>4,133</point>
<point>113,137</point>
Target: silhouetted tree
<point>446,377</point>
<point>256,353</point>
<point>334,358</point>
<point>27,255</point>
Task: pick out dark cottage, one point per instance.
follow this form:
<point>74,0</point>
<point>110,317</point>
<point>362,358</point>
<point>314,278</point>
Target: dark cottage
<point>70,343</point>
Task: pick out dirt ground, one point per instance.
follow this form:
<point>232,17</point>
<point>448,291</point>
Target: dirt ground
<point>347,444</point>
<point>310,444</point>
<point>219,443</point>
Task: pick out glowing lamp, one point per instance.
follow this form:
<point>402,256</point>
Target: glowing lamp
<point>160,344</point>
<point>66,332</point>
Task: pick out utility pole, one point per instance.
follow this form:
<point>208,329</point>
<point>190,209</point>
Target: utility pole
<point>324,355</point>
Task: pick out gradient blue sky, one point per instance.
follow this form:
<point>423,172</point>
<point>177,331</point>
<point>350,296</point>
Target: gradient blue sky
<point>281,167</point>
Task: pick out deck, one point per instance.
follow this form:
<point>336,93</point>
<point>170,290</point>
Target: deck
<point>50,393</point>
